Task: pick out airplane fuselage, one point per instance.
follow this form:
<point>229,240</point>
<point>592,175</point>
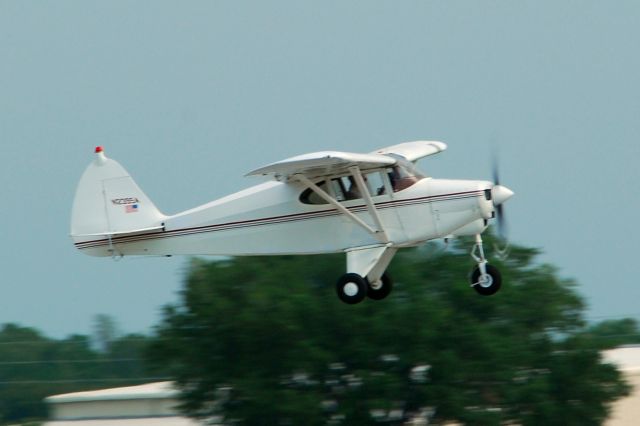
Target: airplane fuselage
<point>270,219</point>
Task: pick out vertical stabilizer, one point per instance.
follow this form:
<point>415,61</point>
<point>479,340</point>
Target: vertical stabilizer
<point>108,202</point>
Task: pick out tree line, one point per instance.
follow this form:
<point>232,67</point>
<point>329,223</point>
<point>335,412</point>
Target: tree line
<point>33,366</point>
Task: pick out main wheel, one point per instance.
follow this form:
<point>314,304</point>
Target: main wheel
<point>490,283</point>
<point>351,288</point>
<point>380,289</point>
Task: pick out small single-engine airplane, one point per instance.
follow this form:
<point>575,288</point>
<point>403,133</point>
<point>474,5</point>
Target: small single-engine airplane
<point>365,205</point>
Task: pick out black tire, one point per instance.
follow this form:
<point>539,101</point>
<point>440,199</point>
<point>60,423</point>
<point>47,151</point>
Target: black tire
<point>492,286</point>
<point>382,291</point>
<point>351,288</point>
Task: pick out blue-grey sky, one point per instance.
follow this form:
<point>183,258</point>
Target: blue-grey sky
<point>189,96</point>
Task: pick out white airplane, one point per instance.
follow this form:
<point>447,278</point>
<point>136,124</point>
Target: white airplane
<point>365,205</point>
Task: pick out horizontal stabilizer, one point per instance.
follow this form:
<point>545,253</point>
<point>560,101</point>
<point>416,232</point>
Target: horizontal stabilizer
<point>112,234</point>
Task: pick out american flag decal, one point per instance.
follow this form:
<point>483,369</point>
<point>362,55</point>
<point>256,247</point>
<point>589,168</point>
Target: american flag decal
<point>131,208</point>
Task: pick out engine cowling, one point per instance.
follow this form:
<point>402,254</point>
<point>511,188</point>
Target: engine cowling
<point>473,228</point>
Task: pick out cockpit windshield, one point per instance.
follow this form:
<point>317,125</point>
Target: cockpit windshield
<point>403,175</point>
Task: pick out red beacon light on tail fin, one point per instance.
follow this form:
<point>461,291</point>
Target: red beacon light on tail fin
<point>100,157</point>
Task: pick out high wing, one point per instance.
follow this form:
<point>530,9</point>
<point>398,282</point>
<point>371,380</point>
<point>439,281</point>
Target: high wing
<point>413,151</point>
<point>327,163</point>
<point>323,163</point>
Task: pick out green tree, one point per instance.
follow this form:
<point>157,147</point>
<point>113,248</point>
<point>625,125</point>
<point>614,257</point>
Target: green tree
<point>19,367</point>
<point>105,331</point>
<point>33,366</point>
<point>265,341</point>
<point>611,333</point>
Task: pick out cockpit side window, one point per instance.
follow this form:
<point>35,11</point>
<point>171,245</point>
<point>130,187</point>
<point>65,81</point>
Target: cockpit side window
<point>344,188</point>
<point>375,183</point>
<point>341,187</point>
<point>309,196</point>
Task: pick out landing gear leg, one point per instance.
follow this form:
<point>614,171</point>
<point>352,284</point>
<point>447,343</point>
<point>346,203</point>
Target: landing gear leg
<point>485,278</point>
<point>381,288</point>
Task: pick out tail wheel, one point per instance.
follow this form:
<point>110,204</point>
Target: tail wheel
<point>351,288</point>
<point>380,289</point>
<point>488,284</point>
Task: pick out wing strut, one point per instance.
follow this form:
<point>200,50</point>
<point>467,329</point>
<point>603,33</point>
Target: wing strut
<point>379,234</point>
<point>364,190</point>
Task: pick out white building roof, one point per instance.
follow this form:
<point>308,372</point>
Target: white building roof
<point>142,405</point>
<point>155,421</point>
<point>626,358</point>
<point>158,390</point>
<point>626,411</point>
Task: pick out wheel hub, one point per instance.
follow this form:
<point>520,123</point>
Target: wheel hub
<point>350,289</point>
<point>485,280</point>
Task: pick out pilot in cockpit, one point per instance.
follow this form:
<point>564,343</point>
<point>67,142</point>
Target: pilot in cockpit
<point>353,192</point>
<point>401,178</point>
